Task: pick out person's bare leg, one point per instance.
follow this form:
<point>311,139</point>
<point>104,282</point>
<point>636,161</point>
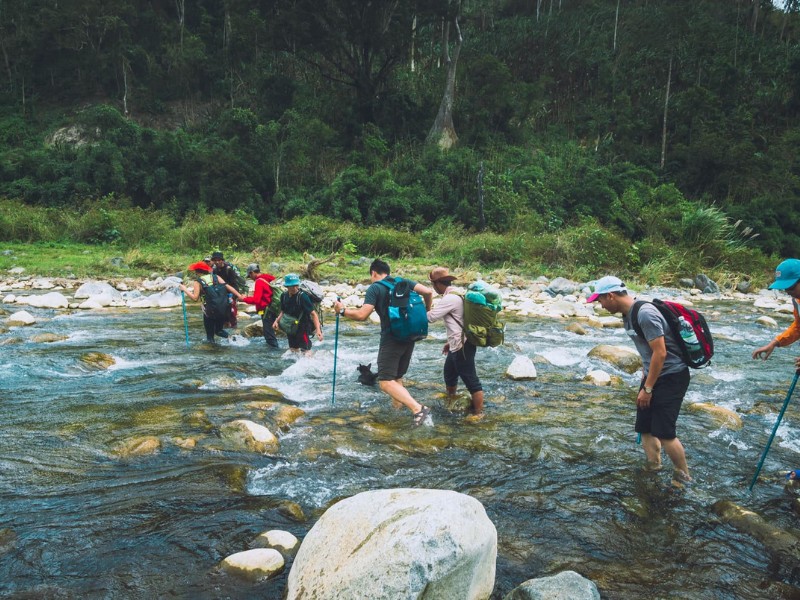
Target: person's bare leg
<point>677,455</point>
<point>398,393</point>
<point>652,451</point>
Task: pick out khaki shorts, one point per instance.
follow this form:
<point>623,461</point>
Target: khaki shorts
<point>393,358</point>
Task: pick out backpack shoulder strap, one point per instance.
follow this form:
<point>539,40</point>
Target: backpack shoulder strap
<point>634,316</point>
<point>386,283</point>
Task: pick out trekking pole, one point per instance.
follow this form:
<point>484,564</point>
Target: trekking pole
<point>335,352</point>
<point>775,428</point>
<point>185,320</point>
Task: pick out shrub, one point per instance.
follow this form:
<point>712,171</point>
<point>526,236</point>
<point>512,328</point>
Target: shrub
<point>206,231</point>
<point>22,223</point>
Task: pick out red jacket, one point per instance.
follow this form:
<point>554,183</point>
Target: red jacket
<point>262,294</point>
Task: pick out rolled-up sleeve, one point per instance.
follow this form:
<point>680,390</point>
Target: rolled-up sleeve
<point>792,333</point>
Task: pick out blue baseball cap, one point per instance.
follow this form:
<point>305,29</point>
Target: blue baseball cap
<point>786,274</point>
<point>291,279</point>
<point>606,284</point>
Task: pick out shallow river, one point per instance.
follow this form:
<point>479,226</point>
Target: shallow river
<point>555,462</point>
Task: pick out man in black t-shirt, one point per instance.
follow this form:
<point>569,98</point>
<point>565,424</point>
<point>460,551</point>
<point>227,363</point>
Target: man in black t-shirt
<point>394,356</point>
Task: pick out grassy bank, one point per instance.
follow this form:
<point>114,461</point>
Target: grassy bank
<point>106,240</point>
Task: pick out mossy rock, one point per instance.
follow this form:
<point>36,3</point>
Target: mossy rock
<point>139,446</point>
<point>97,360</point>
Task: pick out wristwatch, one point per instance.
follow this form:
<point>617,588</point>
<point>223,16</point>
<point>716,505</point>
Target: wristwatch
<point>341,312</point>
<point>648,390</point>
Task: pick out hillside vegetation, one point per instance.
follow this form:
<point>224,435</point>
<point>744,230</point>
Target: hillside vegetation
<point>641,136</point>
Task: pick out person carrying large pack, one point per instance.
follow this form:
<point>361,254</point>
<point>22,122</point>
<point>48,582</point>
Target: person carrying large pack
<point>298,316</point>
<point>393,297</point>
<point>214,293</point>
<point>460,347</point>
<point>266,299</point>
<point>231,275</point>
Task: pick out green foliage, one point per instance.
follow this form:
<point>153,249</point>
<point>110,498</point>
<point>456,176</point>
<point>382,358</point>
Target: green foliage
<point>204,231</point>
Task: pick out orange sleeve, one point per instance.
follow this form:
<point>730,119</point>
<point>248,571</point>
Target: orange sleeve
<point>792,333</point>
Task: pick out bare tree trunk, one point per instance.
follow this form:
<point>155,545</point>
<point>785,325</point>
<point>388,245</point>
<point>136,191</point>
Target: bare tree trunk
<point>181,6</point>
<point>616,25</point>
<point>664,126</point>
<point>481,216</point>
<point>538,9</point>
<point>443,132</point>
<point>413,41</point>
<point>125,93</point>
<point>756,7</point>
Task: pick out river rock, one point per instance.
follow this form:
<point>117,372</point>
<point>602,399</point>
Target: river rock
<point>766,302</point>
<point>567,585</point>
<point>20,318</point>
<point>255,329</point>
<point>724,416</point>
<point>97,288</point>
<point>686,282</point>
<point>93,303</point>
<point>439,544</point>
<point>46,338</point>
<point>286,415</point>
<point>521,369</point>
<point>51,300</point>
<point>576,328</point>
<point>8,540</point>
<point>776,539</point>
<point>767,321</point>
<point>621,357</point>
<point>249,435</point>
<point>611,322</point>
<point>97,360</point>
<point>12,341</point>
<point>563,286</point>
<point>743,287</point>
<point>139,446</point>
<point>42,284</point>
<point>598,377</point>
<point>254,565</point>
<point>292,510</point>
<point>278,539</point>
<point>706,284</point>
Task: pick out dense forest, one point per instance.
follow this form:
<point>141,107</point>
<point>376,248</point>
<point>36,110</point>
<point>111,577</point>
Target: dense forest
<point>640,117</point>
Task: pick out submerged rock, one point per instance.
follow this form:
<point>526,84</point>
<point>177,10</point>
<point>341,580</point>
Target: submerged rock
<point>567,585</point>
<point>621,357</point>
<point>97,360</point>
<point>46,338</point>
<point>598,377</point>
<point>439,544</point>
<point>250,436</point>
<point>139,446</point>
<point>254,565</point>
<point>775,539</point>
<point>724,416</point>
<point>292,510</point>
<point>8,540</point>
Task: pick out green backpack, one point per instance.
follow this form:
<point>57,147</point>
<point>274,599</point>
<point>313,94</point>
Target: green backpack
<point>481,327</point>
<point>274,307</point>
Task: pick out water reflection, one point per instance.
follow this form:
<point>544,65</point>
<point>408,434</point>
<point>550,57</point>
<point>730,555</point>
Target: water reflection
<point>555,462</point>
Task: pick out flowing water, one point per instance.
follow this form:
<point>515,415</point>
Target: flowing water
<point>555,462</point>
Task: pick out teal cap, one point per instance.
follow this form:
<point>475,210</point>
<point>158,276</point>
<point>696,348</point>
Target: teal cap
<point>291,279</point>
<point>786,274</point>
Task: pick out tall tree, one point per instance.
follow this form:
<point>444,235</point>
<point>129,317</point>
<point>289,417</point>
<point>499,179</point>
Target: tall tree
<point>443,132</point>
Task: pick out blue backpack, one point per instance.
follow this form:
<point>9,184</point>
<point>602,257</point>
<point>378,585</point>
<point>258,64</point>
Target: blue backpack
<point>408,319</point>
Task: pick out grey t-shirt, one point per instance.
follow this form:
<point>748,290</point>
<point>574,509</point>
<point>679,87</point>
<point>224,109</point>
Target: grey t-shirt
<point>654,326</point>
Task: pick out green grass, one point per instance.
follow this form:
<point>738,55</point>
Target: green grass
<point>113,241</point>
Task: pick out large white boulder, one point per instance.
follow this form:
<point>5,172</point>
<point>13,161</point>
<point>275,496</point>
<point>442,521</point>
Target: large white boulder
<point>521,369</point>
<point>401,543</point>
<point>98,288</point>
<point>567,585</point>
<point>20,318</point>
<point>51,300</point>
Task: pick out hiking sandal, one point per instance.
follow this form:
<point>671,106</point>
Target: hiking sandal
<point>419,418</point>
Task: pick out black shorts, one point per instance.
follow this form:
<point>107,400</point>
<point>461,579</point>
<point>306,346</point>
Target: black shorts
<point>660,417</point>
<point>393,358</point>
<point>299,341</point>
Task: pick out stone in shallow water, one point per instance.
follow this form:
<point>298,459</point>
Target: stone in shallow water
<point>567,585</point>
<point>254,565</point>
<point>521,369</point>
<point>278,539</point>
<point>621,357</point>
<point>139,446</point>
<point>97,360</point>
